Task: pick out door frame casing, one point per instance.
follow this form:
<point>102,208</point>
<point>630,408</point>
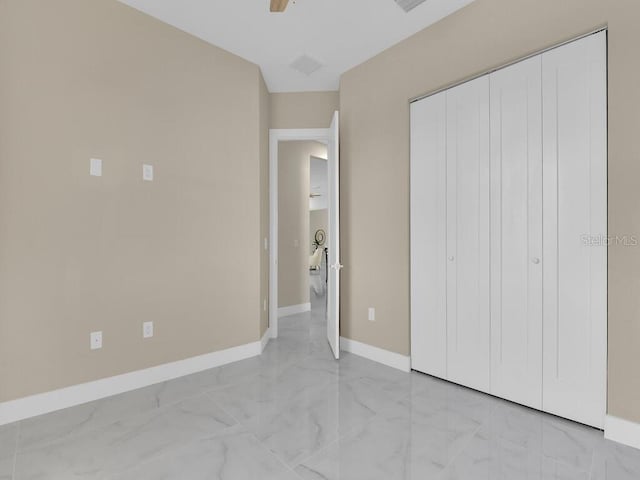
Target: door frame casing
<point>277,135</point>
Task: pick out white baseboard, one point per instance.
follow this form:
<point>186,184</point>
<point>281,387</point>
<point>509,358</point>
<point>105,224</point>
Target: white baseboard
<point>294,309</point>
<point>390,359</point>
<point>34,405</point>
<point>622,431</point>
<point>265,339</point>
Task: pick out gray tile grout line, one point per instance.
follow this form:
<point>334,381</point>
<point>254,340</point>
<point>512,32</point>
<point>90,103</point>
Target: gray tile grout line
<point>593,464</point>
<point>337,439</point>
<point>177,449</point>
<point>273,455</point>
<point>463,448</point>
<point>260,443</point>
<point>15,451</point>
<point>193,440</point>
<point>562,461</point>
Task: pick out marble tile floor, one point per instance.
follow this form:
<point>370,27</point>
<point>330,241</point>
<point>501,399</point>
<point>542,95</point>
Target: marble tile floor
<point>296,413</point>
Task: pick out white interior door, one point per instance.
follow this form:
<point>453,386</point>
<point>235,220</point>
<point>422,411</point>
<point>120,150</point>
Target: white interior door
<point>333,287</point>
<point>575,228</point>
<point>429,236</point>
<point>516,233</point>
<point>468,322</point>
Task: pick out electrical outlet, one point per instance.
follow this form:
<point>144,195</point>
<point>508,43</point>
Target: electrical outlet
<point>95,340</point>
<point>264,304</point>
<point>372,314</point>
<point>147,330</point>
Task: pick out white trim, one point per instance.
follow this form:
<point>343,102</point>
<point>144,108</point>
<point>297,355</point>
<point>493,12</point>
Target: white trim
<point>293,309</point>
<point>265,340</point>
<point>15,410</point>
<point>385,357</point>
<point>622,431</point>
<point>278,135</point>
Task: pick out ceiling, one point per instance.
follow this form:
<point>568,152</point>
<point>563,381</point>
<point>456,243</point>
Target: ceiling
<point>339,34</point>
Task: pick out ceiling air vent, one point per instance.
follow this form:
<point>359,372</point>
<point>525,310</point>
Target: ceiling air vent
<point>408,5</point>
<point>306,65</point>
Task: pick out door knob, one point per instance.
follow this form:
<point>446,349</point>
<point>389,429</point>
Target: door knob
<point>451,258</point>
<point>338,266</point>
<point>536,260</point>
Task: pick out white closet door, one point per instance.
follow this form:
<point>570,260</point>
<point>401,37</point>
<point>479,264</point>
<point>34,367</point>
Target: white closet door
<point>516,233</point>
<point>468,322</point>
<point>575,273</point>
<point>428,236</point>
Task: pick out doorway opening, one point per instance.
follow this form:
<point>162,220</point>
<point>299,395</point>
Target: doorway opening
<point>318,217</point>
<point>304,267</point>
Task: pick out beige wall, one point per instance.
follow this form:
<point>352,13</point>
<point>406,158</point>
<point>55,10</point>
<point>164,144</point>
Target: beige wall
<point>318,220</point>
<point>293,219</point>
<point>84,79</point>
<point>303,110</point>
<point>375,160</point>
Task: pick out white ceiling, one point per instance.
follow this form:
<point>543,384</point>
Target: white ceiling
<point>340,34</point>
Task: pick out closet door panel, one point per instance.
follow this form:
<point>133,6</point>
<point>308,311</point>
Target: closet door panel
<point>468,321</point>
<point>574,123</point>
<point>516,233</point>
<point>428,236</point>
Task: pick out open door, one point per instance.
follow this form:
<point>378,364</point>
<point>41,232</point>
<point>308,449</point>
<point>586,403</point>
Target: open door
<point>333,272</point>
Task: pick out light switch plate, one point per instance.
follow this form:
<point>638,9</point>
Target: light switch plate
<point>372,314</point>
<point>95,167</point>
<point>147,330</point>
<point>147,173</point>
<point>95,340</point>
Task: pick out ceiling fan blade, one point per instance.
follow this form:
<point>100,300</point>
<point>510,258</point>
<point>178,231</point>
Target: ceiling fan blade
<point>279,5</point>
